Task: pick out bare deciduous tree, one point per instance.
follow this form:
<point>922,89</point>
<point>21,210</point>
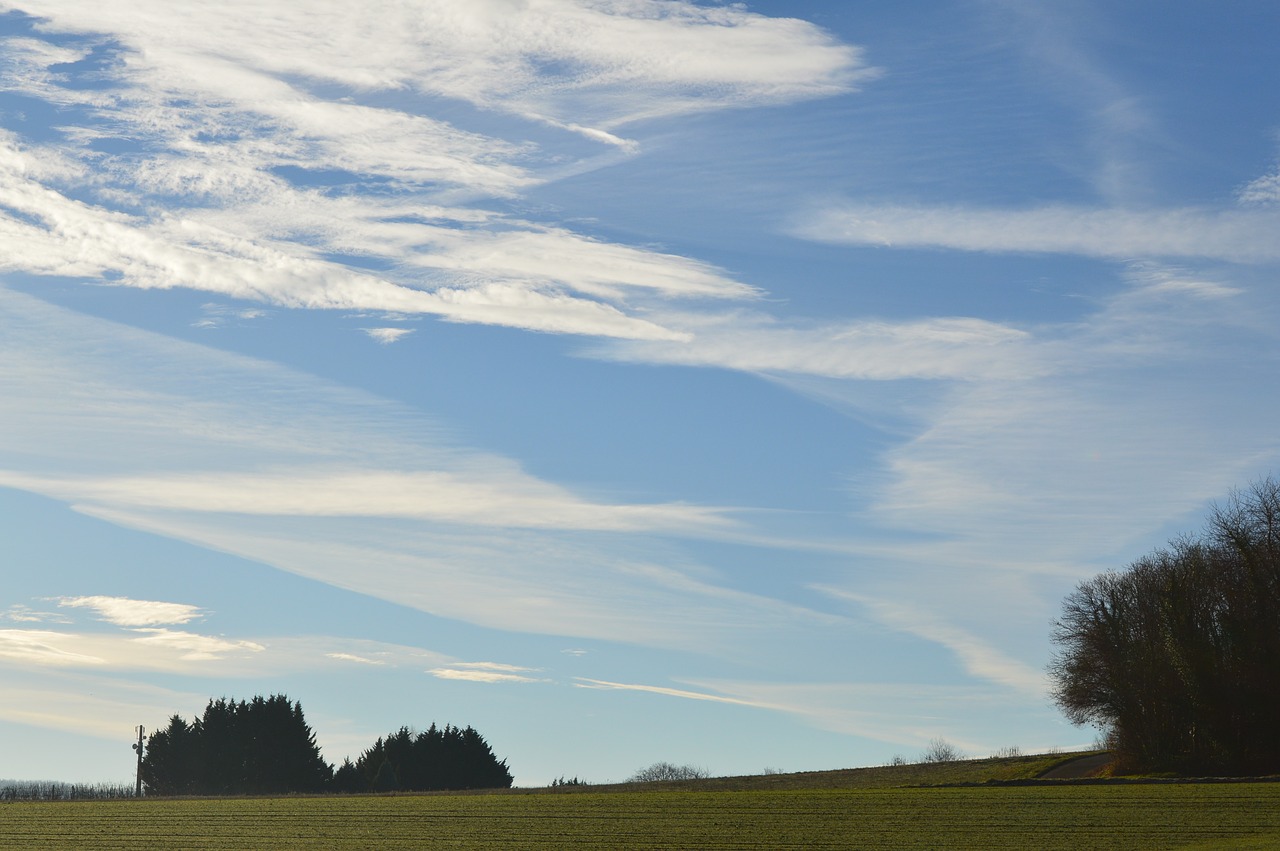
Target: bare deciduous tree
<point>940,750</point>
<point>667,771</point>
<point>1174,659</point>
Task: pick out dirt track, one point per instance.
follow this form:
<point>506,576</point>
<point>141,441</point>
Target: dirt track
<point>1085,766</point>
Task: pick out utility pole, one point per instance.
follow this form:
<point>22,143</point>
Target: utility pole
<point>138,747</point>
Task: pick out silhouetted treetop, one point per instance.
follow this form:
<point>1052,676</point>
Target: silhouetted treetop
<point>439,758</point>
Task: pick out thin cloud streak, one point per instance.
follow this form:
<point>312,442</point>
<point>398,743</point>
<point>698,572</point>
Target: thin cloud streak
<point>886,712</point>
<point>605,685</point>
<point>141,649</point>
<point>944,348</point>
<point>1239,236</point>
<point>491,497</point>
<point>979,658</point>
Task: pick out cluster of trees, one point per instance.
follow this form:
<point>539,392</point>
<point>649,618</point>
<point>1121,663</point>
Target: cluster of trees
<point>1177,659</point>
<point>265,747</point>
<point>447,758</point>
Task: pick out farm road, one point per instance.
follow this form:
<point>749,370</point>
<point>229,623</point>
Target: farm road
<point>1085,766</point>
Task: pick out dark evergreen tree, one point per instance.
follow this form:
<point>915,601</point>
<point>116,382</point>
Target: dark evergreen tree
<point>348,778</point>
<point>170,763</point>
<point>448,758</point>
<point>260,747</point>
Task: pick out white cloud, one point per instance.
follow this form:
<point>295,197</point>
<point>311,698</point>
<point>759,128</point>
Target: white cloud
<point>586,265</point>
<point>193,647</point>
<point>595,64</point>
<point>124,611</point>
<point>1262,191</point>
<point>351,657</point>
<point>387,336</point>
<point>1233,235</point>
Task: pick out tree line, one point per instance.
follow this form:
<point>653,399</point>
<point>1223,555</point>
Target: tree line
<point>52,790</point>
<point>1177,658</point>
<point>265,746</point>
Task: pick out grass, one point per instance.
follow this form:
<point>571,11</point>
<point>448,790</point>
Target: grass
<point>864,808</point>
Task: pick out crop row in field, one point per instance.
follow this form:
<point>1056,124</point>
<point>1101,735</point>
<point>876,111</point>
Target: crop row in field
<point>1067,817</point>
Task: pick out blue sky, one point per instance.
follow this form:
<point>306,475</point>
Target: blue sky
<point>742,385</point>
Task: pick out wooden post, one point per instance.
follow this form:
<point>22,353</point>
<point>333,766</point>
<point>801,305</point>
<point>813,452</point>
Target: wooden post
<point>138,747</point>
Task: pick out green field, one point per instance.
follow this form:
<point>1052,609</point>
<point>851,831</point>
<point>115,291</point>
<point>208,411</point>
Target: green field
<point>1207,816</point>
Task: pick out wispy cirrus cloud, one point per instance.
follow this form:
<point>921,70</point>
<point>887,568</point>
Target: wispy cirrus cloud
<point>25,614</point>
<point>138,649</point>
<point>221,109</point>
<point>489,495</point>
<point>53,234</point>
<point>565,61</point>
<point>980,658</point>
<point>1241,236</point>
<point>905,714</point>
<point>897,713</point>
<point>941,348</point>
<point>1261,191</point>
<point>290,471</point>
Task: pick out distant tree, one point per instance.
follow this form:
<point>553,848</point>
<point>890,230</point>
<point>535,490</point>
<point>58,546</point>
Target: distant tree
<point>661,771</point>
<point>259,747</point>
<point>1175,658</point>
<point>561,781</point>
<point>940,750</point>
